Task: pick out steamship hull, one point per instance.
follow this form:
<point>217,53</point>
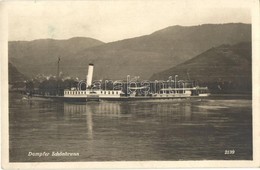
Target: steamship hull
<point>123,98</point>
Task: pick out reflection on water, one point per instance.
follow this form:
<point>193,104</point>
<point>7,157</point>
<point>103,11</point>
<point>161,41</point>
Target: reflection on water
<point>89,123</point>
<point>124,109</point>
<point>117,131</point>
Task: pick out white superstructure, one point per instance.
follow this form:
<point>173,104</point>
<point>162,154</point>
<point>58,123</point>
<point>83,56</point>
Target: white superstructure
<point>92,93</point>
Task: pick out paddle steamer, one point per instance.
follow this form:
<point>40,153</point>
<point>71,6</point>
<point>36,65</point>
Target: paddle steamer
<point>131,93</point>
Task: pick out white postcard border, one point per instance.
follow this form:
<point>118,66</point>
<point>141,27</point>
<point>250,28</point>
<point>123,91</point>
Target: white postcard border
<point>130,164</point>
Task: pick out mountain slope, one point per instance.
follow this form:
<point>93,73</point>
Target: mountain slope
<point>226,65</point>
<point>40,56</point>
<point>14,74</point>
<point>163,49</point>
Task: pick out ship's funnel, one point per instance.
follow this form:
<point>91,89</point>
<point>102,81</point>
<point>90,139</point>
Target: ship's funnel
<point>90,74</point>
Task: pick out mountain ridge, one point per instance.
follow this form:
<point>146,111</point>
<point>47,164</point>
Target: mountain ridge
<point>163,49</point>
<point>28,55</point>
<point>227,65</point>
<point>143,55</point>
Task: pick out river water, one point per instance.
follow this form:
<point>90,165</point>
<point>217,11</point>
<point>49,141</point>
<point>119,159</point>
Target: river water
<point>208,129</point>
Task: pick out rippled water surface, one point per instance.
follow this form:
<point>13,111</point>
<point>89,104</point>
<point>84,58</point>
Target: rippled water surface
<point>131,131</point>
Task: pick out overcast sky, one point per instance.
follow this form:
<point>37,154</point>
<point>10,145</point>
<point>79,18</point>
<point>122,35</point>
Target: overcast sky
<point>115,20</point>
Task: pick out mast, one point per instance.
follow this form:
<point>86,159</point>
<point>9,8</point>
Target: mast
<point>58,76</point>
<point>58,68</point>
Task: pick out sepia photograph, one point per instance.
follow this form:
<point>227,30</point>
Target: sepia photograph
<point>147,84</point>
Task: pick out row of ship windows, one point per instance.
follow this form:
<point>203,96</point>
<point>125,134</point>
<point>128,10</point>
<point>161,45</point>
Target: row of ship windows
<point>84,92</point>
<point>108,92</point>
<point>168,92</point>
